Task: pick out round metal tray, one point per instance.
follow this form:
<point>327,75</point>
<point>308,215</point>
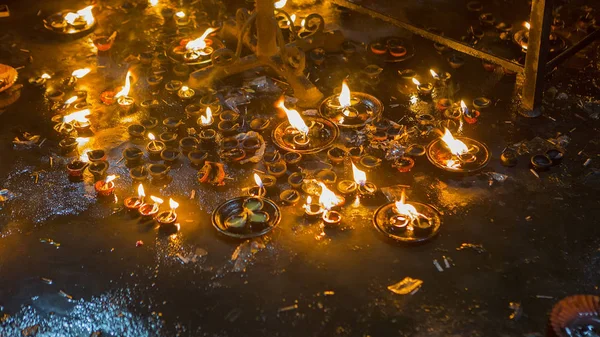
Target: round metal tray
<point>234,206</point>
<point>69,30</point>
<point>279,133</point>
<point>205,60</point>
<point>382,214</point>
<point>367,103</point>
<point>437,150</point>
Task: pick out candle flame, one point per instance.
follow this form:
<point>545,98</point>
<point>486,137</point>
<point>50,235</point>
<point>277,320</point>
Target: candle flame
<point>79,116</point>
<point>81,141</point>
<point>156,200</point>
<point>85,14</point>
<point>46,76</point>
<point>303,22</point>
<point>415,81</point>
<point>84,158</point>
<point>345,95</point>
<point>141,192</point>
<point>180,14</point>
<point>208,118</point>
<point>173,204</point>
<point>328,199</point>
<point>527,25</point>
<point>434,74</point>
<point>257,180</point>
<point>199,43</point>
<point>79,73</point>
<point>151,136</point>
<point>126,87</point>
<point>463,107</point>
<point>456,146</point>
<point>293,18</point>
<point>110,178</point>
<point>406,209</point>
<point>153,3</point>
<point>294,117</point>
<point>360,177</point>
<point>280,4</point>
<point>308,200</point>
<point>71,100</point>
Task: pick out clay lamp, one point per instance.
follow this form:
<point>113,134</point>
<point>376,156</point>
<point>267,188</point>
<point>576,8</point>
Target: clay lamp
<point>207,120</point>
<point>139,174</point>
<point>162,59</point>
<point>317,55</point>
<point>186,93</point>
<point>449,124</point>
<point>379,136</point>
<point>167,218</point>
<point>487,19</point>
<point>369,162</point>
<point>193,111</point>
<point>470,116</point>
<point>327,176</point>
<point>55,95</point>
<point>154,83</point>
<point>509,157</point>
<point>292,159</point>
<point>98,169</point>
<point>555,155</point>
<point>146,57</point>
<point>397,51</point>
<point>407,74</point>
<point>96,155</point>
<point>259,190</point>
<point>170,156</point>
<point>133,156</point>
<point>348,49</point>
<point>149,106</point>
<point>504,29</point>
<point>336,155</point>
<point>456,61</point>
<point>272,157</point>
<point>312,210</point>
<point>181,70</point>
<point>188,144</point>
<point>228,127</point>
<point>277,169</point>
<point>81,106</point>
<point>207,137</point>
<point>365,189</point>
<point>158,70</point>
<point>251,144</point>
<point>474,6</point>
<point>415,150</point>
<point>133,203</point>
<point>75,169</point>
<point>169,138</point>
<point>454,113</point>
<point>259,124</point>
<point>355,153</point>
<point>197,157</point>
<point>270,183</point>
<point>557,24</point>
<point>372,71</point>
<point>481,102</point>
<point>41,80</point>
<point>296,179</point>
<point>68,145</point>
<point>441,78</point>
<point>149,123</point>
<point>80,96</point>
<point>382,124</point>
<point>154,147</point>
<point>476,32</point>
<point>172,124</point>
<point>158,171</point>
<point>328,199</point>
<point>173,86</point>
<point>230,143</point>
<point>395,130</point>
<point>136,130</point>
<point>331,218</point>
<point>541,162</point>
<point>443,104</point>
<point>148,211</point>
<point>424,89</point>
<point>211,101</point>
<point>404,164</point>
<point>106,187</point>
<point>289,197</point>
<point>233,155</point>
<point>378,48</point>
<point>347,187</point>
<point>229,115</point>
<point>125,102</point>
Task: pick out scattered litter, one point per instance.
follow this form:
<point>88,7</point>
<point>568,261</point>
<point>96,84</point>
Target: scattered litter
<point>65,295</point>
<point>288,308</point>
<point>587,162</point>
<point>30,331</point>
<point>438,266</point>
<point>495,176</point>
<point>477,247</point>
<point>544,297</point>
<point>446,262</point>
<point>200,252</point>
<point>139,243</point>
<point>46,280</point>
<point>528,218</point>
<point>534,173</point>
<point>51,242</point>
<point>183,259</point>
<point>329,293</point>
<point>193,194</point>
<point>407,286</point>
<point>517,310</point>
<point>394,105</point>
<point>6,195</point>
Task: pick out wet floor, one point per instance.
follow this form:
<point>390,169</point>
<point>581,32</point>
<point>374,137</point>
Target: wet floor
<point>71,265</point>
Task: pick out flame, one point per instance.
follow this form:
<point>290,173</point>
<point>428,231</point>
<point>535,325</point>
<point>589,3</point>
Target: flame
<point>84,158</point>
<point>173,204</point>
<point>406,209</point>
<point>46,76</point>
<point>85,14</point>
<point>258,181</point>
<point>309,200</point>
<point>456,146</point>
<point>79,73</point>
<point>415,81</point>
<point>293,18</point>
<point>208,118</point>
<point>463,107</point>
<point>527,25</point>
<point>327,199</point>
<point>185,88</point>
<point>294,117</point>
<point>126,87</point>
<point>71,100</point>
<point>151,136</point>
<point>180,14</point>
<point>110,178</point>
<point>81,141</point>
<point>280,4</point>
<point>345,96</point>
<point>360,177</point>
<point>156,200</point>
<point>79,116</point>
<point>153,3</point>
<point>303,23</point>
<point>199,43</point>
<point>433,74</point>
<point>141,192</point>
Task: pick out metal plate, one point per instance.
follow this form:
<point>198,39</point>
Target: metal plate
<point>234,206</point>
<point>366,101</point>
<point>68,30</point>
<point>383,213</point>
<point>279,133</point>
<point>206,60</point>
<point>437,148</point>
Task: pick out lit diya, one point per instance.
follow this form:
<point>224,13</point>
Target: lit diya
<point>521,38</point>
<point>125,102</point>
<point>441,78</point>
<point>197,51</point>
<point>149,210</point>
<point>424,89</point>
<point>459,154</point>
<point>75,168</point>
<point>154,147</point>
<point>351,109</point>
<point>414,222</point>
<point>329,200</point>
<point>186,93</point>
<point>246,217</point>
<point>106,187</point>
<point>68,22</point>
<point>259,190</point>
<point>133,203</point>
<point>168,217</point>
<point>312,210</point>
<point>206,120</point>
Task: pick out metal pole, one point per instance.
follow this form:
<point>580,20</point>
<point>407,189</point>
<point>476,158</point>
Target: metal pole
<point>574,49</point>
<point>266,29</point>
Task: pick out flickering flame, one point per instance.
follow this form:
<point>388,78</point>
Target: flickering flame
<point>463,107</point>
<point>79,116</point>
<point>293,18</point>
<point>360,177</point>
<point>46,76</point>
<point>406,209</point>
<point>81,141</point>
<point>151,136</point>
<point>433,74</point>
<point>294,117</point>
<point>85,14</point>
<point>71,100</point>
<point>141,192</point>
<point>173,204</point>
<point>79,73</point>
<point>327,199</point>
<point>257,180</point>
<point>156,200</point>
<point>303,23</point>
<point>180,14</point>
<point>208,118</point>
<point>415,81</point>
<point>280,4</point>
<point>456,146</point>
<point>110,178</point>
<point>84,158</point>
<point>199,43</point>
<point>185,88</point>
<point>308,200</point>
<point>345,97</point>
<point>153,3</point>
<point>126,87</point>
<point>527,25</point>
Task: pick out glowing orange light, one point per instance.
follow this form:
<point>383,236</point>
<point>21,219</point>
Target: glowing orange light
<point>456,146</point>
<point>173,204</point>
<point>280,4</point>
<point>360,177</point>
<point>416,82</point>
<point>79,73</point>
<point>257,180</point>
<point>345,97</point>
<point>79,116</point>
<point>141,192</point>
<point>199,43</point>
<point>156,200</point>
<point>110,178</point>
<point>294,117</point>
<point>328,199</point>
<point>527,25</point>
<point>126,88</point>
<point>434,74</point>
<point>206,120</point>
<point>83,14</point>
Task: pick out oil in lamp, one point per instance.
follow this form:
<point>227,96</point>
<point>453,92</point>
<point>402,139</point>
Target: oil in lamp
<point>198,48</point>
<point>168,217</point>
<point>259,190</point>
<point>154,147</point>
<point>328,200</point>
<point>150,210</point>
<point>424,89</point>
<point>133,203</point>
<point>186,93</point>
<point>97,168</point>
<point>297,127</point>
<point>289,197</point>
<point>312,210</point>
<point>181,19</point>
<point>125,101</point>
<point>106,187</point>
<point>207,119</point>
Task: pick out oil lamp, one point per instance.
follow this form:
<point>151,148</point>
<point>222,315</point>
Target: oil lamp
<point>76,167</point>
<point>106,187</point>
<point>470,116</point>
<point>81,18</point>
<point>154,83</point>
<point>154,147</point>
<point>312,210</point>
<point>150,210</point>
<point>207,119</point>
<point>186,93</point>
<point>424,89</point>
<point>173,86</point>
<point>297,127</point>
<point>258,190</point>
<point>125,101</point>
<point>365,189</point>
<point>198,48</point>
<point>457,155</point>
<point>407,218</point>
<point>168,217</point>
<point>97,168</point>
<point>133,203</point>
<point>41,80</point>
<point>75,75</point>
<point>351,109</point>
<point>181,19</point>
<point>289,197</point>
<point>441,78</point>
<point>455,112</point>
<point>79,120</point>
<point>328,200</point>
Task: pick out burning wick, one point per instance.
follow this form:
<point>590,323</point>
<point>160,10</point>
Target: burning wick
<point>152,140</point>
<point>151,209</point>
<point>46,76</point>
<point>180,14</point>
<point>186,92</point>
<point>406,214</point>
<point>463,108</point>
<point>423,89</point>
<point>280,4</point>
<point>527,25</point>
<point>434,74</point>
<point>153,3</point>
<point>311,209</point>
<point>108,182</point>
<point>70,101</point>
<point>297,123</point>
<point>458,149</point>
<point>345,100</point>
<point>134,203</point>
<point>81,17</point>
<point>328,200</point>
<point>123,99</point>
<point>259,190</point>
<point>106,187</point>
<point>360,177</point>
<point>208,119</point>
<point>80,73</point>
<point>198,47</point>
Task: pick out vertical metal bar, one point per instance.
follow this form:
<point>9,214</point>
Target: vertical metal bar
<point>266,29</point>
<point>537,57</point>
